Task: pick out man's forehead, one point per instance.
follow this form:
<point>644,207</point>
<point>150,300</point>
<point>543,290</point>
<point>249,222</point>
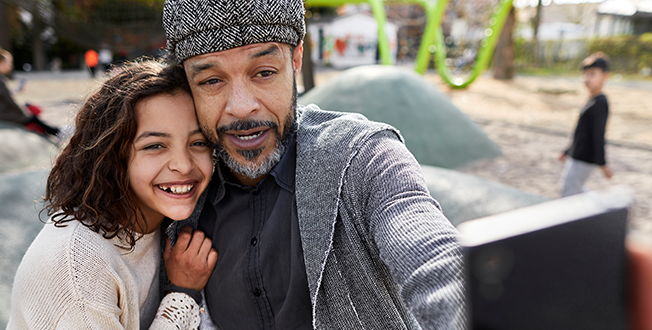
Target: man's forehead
<point>249,52</point>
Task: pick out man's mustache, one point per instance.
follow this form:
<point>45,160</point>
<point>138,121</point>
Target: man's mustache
<point>243,125</point>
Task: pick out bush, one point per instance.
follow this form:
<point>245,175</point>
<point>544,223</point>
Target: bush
<point>627,53</point>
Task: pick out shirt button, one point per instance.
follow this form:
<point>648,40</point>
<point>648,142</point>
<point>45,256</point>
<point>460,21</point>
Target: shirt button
<point>254,241</point>
<point>257,292</point>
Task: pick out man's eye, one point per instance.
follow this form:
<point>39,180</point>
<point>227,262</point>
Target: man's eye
<point>265,73</point>
<point>211,81</point>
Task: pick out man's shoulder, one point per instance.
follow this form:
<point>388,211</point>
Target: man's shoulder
<point>312,115</point>
<point>314,122</point>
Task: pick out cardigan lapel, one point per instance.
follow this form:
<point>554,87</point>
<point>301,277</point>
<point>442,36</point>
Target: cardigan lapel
<point>317,193</point>
<point>326,143</point>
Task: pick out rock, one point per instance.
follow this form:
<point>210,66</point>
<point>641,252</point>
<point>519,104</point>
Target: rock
<point>466,197</point>
<point>435,130</point>
<point>21,149</point>
<point>19,225</point>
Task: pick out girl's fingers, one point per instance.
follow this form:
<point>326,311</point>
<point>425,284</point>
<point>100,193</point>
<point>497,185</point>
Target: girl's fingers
<point>196,242</point>
<point>206,247</point>
<point>184,238</point>
<point>212,258</point>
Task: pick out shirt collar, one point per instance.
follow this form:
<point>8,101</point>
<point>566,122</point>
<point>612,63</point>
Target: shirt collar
<point>284,171</point>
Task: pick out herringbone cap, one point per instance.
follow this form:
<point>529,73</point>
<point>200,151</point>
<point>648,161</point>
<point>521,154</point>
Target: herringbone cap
<point>195,27</point>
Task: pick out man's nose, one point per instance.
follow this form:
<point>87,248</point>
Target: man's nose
<point>242,100</point>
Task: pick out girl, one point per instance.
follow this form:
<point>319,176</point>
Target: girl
<point>137,157</point>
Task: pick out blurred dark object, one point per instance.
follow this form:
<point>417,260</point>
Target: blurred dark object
<point>556,265</point>
<point>35,111</point>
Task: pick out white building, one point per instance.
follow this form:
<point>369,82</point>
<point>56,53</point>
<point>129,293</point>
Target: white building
<point>349,41</point>
<point>624,17</point>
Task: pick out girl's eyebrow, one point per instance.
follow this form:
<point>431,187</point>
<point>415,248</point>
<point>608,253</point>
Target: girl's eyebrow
<point>150,133</point>
<point>147,134</point>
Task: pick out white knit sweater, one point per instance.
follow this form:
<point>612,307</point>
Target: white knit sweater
<point>73,278</point>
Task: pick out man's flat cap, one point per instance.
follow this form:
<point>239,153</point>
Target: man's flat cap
<point>195,27</point>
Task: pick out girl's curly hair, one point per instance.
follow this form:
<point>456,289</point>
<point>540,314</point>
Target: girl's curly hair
<point>89,181</point>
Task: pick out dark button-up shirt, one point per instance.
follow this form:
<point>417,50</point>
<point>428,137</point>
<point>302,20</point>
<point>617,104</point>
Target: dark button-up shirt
<point>259,281</point>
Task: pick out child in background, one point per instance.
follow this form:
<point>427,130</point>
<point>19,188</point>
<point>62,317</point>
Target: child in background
<point>137,158</point>
<point>587,149</point>
<point>9,110</point>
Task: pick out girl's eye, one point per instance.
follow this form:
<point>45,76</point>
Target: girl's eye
<point>153,147</point>
<point>200,144</point>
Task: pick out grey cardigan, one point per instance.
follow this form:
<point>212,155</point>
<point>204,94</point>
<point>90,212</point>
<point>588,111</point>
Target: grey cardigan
<point>379,253</point>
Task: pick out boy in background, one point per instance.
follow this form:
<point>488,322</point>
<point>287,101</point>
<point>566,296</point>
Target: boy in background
<point>587,150</point>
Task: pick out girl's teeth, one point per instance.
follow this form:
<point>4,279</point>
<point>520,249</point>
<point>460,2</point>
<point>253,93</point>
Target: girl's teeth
<point>177,189</point>
<point>249,137</point>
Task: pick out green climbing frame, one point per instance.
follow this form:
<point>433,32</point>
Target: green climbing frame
<point>433,37</point>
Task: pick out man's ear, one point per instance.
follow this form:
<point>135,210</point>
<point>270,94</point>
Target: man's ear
<point>297,58</point>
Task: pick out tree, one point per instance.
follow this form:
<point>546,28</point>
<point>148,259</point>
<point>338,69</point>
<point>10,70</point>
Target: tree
<point>5,39</point>
<point>504,53</point>
<point>536,21</point>
<point>307,71</point>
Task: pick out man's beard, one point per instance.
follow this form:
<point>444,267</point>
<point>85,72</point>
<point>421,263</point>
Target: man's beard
<point>251,169</point>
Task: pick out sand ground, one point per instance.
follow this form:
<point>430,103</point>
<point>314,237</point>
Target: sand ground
<point>531,119</point>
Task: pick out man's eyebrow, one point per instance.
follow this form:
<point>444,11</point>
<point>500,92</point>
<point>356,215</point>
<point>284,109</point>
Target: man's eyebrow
<point>198,68</point>
<point>149,133</point>
<point>197,131</point>
<point>273,50</point>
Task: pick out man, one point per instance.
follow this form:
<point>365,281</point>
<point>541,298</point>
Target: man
<point>321,219</point>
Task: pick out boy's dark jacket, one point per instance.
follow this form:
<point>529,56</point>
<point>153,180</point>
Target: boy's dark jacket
<point>588,140</point>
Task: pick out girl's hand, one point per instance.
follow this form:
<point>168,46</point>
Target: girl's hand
<point>190,263</point>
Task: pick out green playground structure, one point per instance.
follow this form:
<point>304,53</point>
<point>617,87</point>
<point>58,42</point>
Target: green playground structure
<point>433,37</point>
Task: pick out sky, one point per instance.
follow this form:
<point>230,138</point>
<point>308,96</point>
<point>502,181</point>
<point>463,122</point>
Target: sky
<point>526,3</point>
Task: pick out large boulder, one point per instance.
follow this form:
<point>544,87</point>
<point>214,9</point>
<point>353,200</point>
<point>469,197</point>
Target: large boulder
<point>466,197</point>
<point>20,193</point>
<point>435,130</point>
<point>21,149</point>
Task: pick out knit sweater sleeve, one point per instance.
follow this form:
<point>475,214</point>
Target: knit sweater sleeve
<point>415,240</point>
<point>177,311</point>
<point>72,278</point>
